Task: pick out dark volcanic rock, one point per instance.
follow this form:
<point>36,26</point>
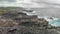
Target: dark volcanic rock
<point>24,23</point>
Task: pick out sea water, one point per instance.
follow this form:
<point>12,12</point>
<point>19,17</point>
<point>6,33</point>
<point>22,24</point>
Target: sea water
<point>55,21</point>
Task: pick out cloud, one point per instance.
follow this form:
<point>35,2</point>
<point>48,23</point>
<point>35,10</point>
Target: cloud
<point>31,3</point>
<point>7,1</point>
<point>53,1</point>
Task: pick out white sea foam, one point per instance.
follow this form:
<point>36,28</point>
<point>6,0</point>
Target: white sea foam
<point>30,13</point>
<point>34,12</point>
<point>49,19</point>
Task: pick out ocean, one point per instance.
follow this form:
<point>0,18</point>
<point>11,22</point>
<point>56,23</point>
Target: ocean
<point>48,12</point>
<point>52,12</point>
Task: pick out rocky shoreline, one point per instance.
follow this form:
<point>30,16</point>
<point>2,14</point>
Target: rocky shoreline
<point>21,23</point>
<point>16,21</point>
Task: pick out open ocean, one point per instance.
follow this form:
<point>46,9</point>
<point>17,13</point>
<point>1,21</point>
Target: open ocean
<point>48,12</point>
<point>52,12</point>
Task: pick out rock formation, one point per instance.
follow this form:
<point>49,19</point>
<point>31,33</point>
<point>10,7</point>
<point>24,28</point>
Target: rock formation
<point>23,24</point>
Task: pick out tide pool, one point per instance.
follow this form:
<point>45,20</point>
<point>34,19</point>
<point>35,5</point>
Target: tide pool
<point>55,23</point>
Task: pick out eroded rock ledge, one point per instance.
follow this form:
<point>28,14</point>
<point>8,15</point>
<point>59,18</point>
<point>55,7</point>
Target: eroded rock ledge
<point>21,23</point>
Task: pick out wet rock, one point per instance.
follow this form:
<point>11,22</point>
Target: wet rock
<point>26,24</point>
<point>12,30</point>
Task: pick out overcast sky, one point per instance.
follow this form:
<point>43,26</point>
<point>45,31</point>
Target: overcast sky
<point>31,3</point>
<point>8,0</point>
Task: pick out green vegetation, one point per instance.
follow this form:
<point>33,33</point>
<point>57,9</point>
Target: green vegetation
<point>2,11</point>
<point>10,9</point>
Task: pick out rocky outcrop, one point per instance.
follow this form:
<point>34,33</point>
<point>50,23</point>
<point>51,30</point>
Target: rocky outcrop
<point>23,24</point>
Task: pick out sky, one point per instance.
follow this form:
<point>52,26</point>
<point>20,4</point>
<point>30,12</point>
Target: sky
<point>31,3</point>
<point>8,0</point>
